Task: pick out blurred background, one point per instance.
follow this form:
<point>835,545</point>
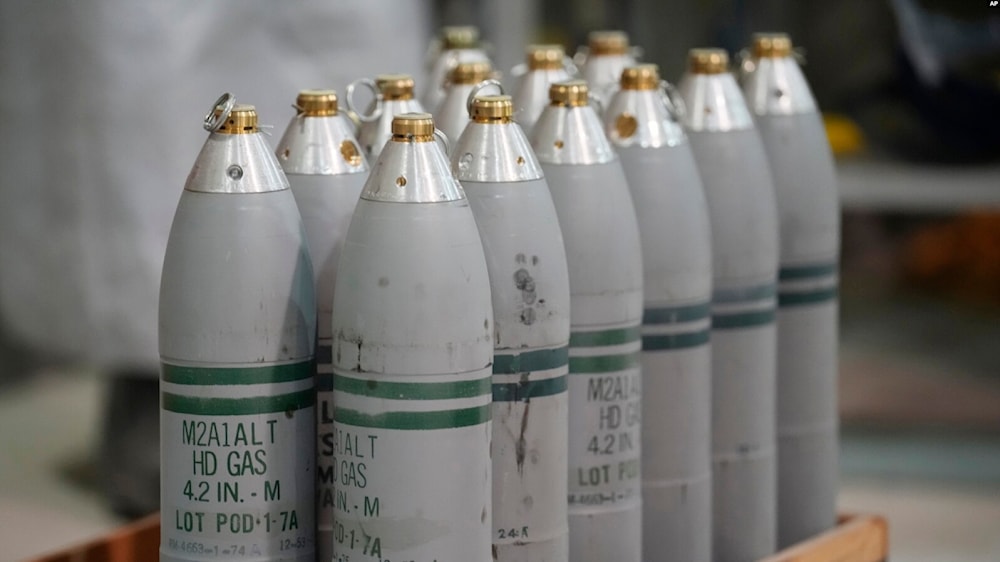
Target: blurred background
<point>101,105</point>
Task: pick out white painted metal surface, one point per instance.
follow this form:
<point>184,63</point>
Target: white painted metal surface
<point>531,308</point>
<point>809,217</point>
<point>412,358</point>
<point>605,273</point>
<point>326,170</point>
<point>237,328</point>
<point>676,359</point>
<point>743,216</point>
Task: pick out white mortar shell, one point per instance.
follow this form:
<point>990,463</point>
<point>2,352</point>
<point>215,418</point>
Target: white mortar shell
<point>452,114</point>
<point>605,274</point>
<point>531,308</point>
<point>237,304</point>
<point>413,351</point>
<point>676,359</point>
<point>743,216</point>
<point>433,91</point>
<point>326,204</point>
<point>326,170</point>
<point>809,214</point>
<point>531,95</point>
<point>373,134</point>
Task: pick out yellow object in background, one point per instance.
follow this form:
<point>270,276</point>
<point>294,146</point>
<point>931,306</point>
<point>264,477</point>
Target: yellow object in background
<point>844,134</point>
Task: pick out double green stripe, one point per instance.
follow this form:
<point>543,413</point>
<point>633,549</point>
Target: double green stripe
<point>604,338</point>
<point>810,296</point>
<point>237,376</point>
<point>390,390</point>
<point>527,362</point>
<point>675,315</point>
<point>743,295</point>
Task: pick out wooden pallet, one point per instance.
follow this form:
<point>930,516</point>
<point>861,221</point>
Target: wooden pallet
<point>857,538</point>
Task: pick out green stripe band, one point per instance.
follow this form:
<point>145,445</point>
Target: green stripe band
<point>324,382</point>
<point>537,360</point>
<point>210,376</point>
<point>412,390</point>
<point>811,297</point>
<point>665,342</point>
<point>744,294</point>
<point>807,271</point>
<point>518,391</point>
<point>676,314</point>
<point>742,319</point>
<point>414,420</point>
<point>604,337</point>
<point>238,406</point>
<point>603,363</point>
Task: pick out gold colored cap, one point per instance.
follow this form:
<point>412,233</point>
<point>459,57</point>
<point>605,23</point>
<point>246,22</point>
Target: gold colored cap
<point>459,37</point>
<point>641,77</point>
<point>395,86</point>
<point>572,93</point>
<point>242,121</point>
<point>545,57</point>
<point>470,72</point>
<point>771,45</point>
<point>608,42</point>
<point>417,127</point>
<point>708,61</point>
<point>492,109</point>
<point>317,103</point>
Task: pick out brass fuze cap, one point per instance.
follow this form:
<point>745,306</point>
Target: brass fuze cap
<point>708,61</point>
<point>771,45</point>
<point>608,42</point>
<point>459,36</point>
<point>242,120</point>
<point>317,103</point>
<point>641,77</point>
<point>545,57</point>
<point>470,72</point>
<point>417,127</point>
<point>395,86</point>
<point>492,109</point>
<point>572,93</point>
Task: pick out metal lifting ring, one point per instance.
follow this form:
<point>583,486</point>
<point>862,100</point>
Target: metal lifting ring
<point>672,97</point>
<point>570,66</point>
<point>479,88</point>
<point>442,139</point>
<point>595,101</point>
<point>219,113</point>
<point>349,99</point>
